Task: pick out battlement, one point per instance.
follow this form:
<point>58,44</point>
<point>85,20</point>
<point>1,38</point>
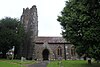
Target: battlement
<point>29,18</point>
<point>28,11</point>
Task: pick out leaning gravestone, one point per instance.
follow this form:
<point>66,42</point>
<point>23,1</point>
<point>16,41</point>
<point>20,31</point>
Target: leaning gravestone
<point>23,59</point>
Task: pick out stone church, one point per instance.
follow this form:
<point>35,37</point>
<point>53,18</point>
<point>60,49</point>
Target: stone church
<point>42,47</point>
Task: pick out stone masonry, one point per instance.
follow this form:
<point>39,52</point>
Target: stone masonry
<point>29,19</point>
<point>42,48</point>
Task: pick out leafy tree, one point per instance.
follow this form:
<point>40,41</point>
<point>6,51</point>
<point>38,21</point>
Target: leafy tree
<point>20,40</point>
<point>81,26</point>
<point>10,35</point>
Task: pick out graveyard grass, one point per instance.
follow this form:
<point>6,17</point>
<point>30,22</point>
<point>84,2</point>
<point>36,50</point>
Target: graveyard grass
<point>14,63</point>
<point>72,63</point>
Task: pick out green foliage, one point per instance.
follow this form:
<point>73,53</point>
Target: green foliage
<point>11,34</point>
<point>81,25</point>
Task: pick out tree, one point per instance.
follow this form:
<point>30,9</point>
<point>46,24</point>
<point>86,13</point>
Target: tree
<point>20,40</point>
<point>10,35</point>
<point>81,25</point>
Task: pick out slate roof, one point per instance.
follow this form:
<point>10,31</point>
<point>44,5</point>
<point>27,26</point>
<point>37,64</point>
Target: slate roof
<point>50,40</point>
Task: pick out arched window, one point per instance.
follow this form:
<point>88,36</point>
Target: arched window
<point>73,50</point>
<point>59,51</point>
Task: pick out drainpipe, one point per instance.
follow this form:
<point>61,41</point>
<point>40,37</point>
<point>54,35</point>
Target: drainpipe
<point>64,52</point>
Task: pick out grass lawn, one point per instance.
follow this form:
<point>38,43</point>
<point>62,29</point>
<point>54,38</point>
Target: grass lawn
<point>72,63</point>
<point>14,63</point>
<point>5,64</point>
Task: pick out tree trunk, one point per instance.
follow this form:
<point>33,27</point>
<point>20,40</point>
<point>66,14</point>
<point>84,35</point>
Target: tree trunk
<point>97,61</point>
<point>84,58</point>
<point>89,61</point>
<point>4,55</point>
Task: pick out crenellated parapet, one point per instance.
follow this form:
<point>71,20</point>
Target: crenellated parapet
<point>30,18</point>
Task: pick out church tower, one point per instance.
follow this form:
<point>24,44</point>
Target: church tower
<point>29,19</point>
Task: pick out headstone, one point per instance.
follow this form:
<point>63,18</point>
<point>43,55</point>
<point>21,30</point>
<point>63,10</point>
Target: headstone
<point>23,59</point>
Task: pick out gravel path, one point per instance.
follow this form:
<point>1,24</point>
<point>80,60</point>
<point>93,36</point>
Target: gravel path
<point>40,64</point>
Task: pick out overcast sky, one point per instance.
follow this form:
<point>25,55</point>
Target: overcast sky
<point>48,10</point>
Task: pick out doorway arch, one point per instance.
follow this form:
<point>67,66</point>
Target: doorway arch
<point>45,54</point>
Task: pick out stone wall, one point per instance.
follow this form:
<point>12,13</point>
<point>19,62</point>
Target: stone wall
<point>29,19</point>
<point>53,49</point>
